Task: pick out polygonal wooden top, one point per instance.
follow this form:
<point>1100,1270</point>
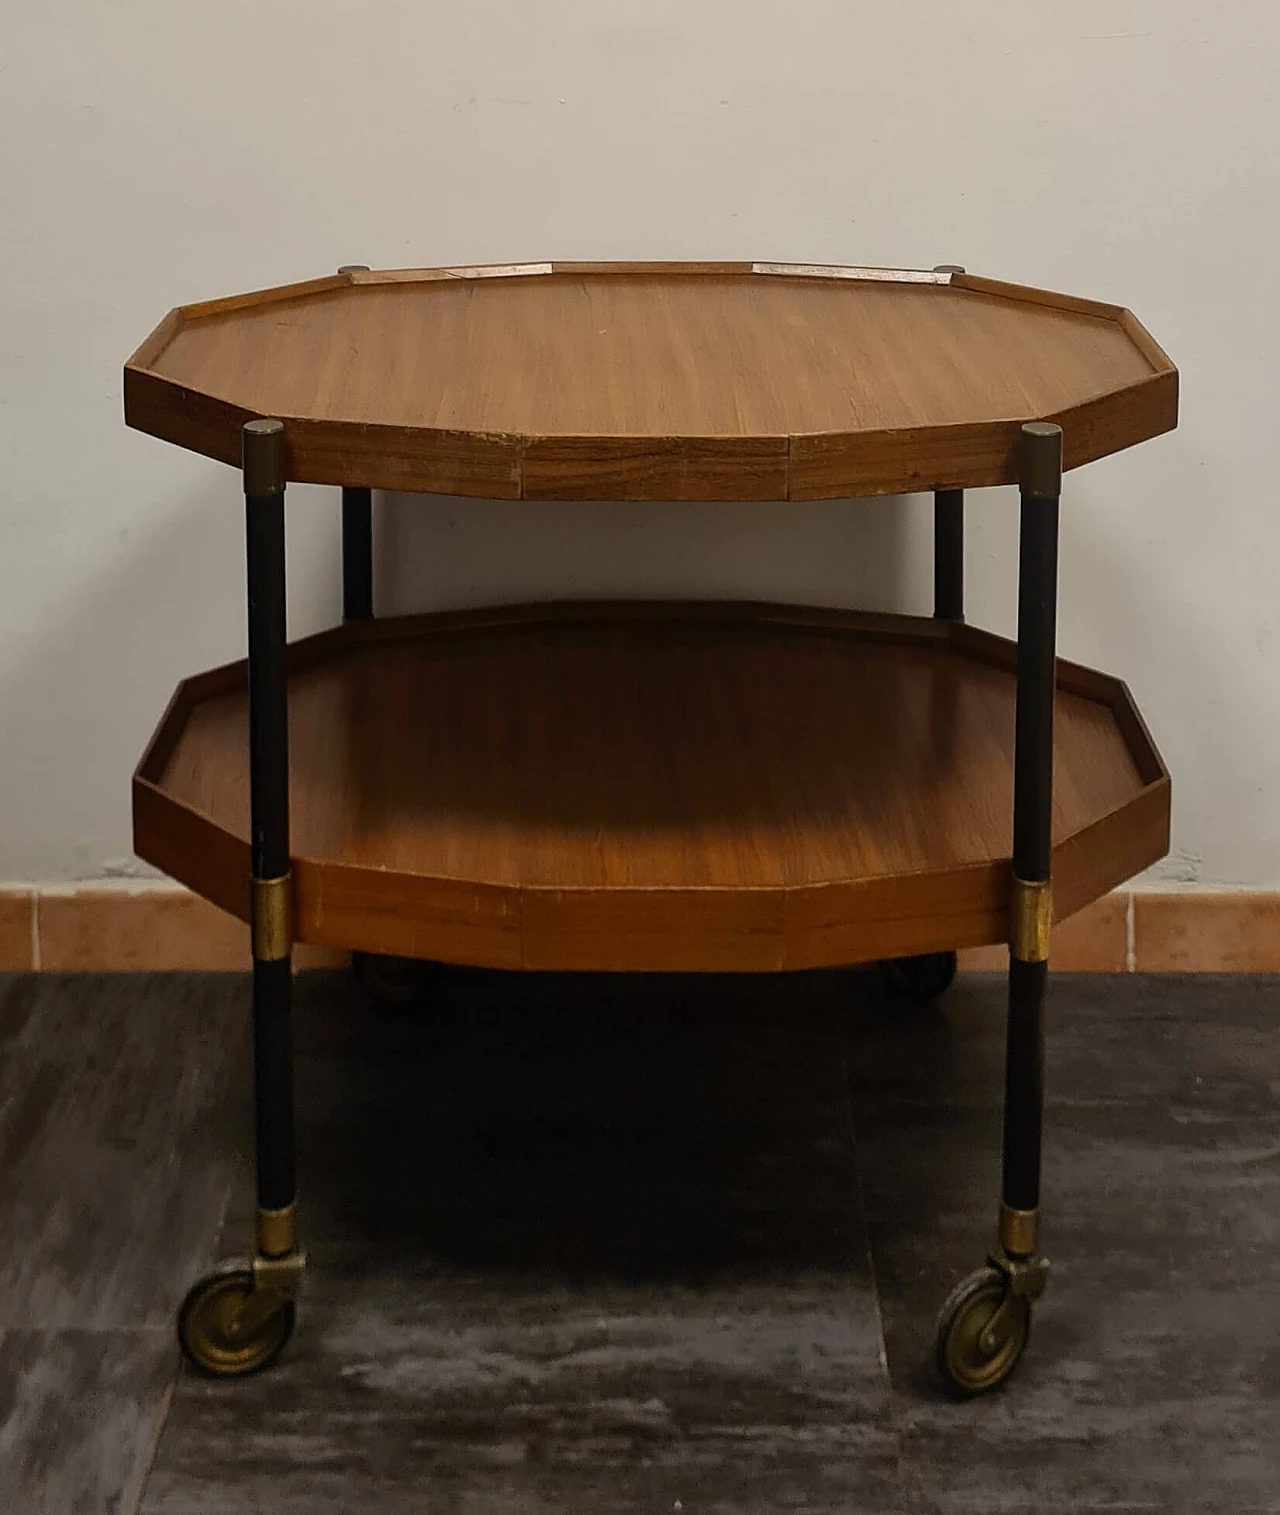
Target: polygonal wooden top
<point>652,787</point>
<point>653,381</point>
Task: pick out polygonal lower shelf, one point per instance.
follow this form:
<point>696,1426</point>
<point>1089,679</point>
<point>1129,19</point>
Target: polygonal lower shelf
<point>671,786</point>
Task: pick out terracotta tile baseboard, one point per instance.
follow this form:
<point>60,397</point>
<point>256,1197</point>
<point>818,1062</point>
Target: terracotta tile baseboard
<point>1190,931</point>
<point>120,930</point>
<point>17,929</point>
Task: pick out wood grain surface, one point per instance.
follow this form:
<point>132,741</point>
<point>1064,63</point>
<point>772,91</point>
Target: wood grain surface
<point>650,381</point>
<point>650,787</point>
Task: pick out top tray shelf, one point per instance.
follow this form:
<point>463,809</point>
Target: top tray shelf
<point>652,381</point>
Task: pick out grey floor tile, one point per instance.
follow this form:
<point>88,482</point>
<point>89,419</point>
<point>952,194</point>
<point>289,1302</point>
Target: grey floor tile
<point>597,1244</point>
<point>114,1172</point>
<point>575,1245</point>
<point>505,1396</point>
<point>79,1415</point>
<point>1153,1376</point>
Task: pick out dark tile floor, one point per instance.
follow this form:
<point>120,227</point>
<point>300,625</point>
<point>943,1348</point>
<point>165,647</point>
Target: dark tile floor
<point>625,1245</point>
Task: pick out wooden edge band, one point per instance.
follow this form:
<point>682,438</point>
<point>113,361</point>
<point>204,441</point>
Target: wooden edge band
<point>271,910</point>
<point>1019,1232</point>
<point>275,1232</point>
<point>1030,916</point>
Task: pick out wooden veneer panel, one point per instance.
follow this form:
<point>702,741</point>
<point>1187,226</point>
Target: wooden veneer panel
<point>698,787</point>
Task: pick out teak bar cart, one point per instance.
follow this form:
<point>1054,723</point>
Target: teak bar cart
<point>679,786</point>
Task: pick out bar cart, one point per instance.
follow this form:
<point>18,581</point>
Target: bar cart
<point>671,786</point>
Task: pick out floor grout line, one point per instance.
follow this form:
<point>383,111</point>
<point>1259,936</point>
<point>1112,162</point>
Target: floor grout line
<point>1130,934</point>
<point>860,1196</point>
<point>166,1404</point>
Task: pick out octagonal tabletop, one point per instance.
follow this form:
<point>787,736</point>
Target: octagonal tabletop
<point>653,381</point>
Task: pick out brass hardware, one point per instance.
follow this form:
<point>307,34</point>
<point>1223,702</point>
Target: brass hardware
<point>496,271</point>
<point>1027,1276</point>
<point>272,916</point>
<point>262,457</point>
<point>280,1276</point>
<point>843,271</point>
<point>1040,475</point>
<point>1004,1327</point>
<point>275,1232</point>
<point>1019,1232</point>
<point>1030,916</point>
<point>229,1326</point>
<point>982,1330</point>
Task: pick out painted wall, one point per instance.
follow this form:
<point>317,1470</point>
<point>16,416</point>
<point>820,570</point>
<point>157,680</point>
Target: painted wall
<point>155,153</point>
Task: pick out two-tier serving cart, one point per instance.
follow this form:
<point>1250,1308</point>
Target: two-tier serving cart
<point>671,786</point>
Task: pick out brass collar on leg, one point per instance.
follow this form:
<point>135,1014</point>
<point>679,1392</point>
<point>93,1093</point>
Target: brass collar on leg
<point>1019,1231</point>
<point>278,1265</point>
<point>275,1232</point>
<point>1040,466</point>
<point>272,915</point>
<point>1030,915</point>
<point>262,458</point>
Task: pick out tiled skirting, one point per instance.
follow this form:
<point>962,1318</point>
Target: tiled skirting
<point>115,930</point>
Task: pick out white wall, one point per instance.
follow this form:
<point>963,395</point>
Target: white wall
<point>156,151</point>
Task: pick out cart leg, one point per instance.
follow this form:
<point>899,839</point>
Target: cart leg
<point>948,535</point>
<point>357,555</point>
<point>357,535</point>
<point>238,1322</point>
<point>948,555</point>
<point>985,1322</point>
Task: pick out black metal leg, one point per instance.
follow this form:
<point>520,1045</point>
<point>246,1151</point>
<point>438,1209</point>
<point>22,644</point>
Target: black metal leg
<point>357,555</point>
<point>237,1322</point>
<point>269,831</point>
<point>984,1323</point>
<point>948,555</point>
<point>1032,822</point>
<point>948,535</point>
<point>357,534</point>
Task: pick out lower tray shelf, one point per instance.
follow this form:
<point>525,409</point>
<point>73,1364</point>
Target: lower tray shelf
<point>651,787</point>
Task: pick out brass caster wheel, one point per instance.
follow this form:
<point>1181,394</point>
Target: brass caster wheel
<point>398,983</point>
<point>222,1335</point>
<point>920,979</point>
<point>982,1330</point>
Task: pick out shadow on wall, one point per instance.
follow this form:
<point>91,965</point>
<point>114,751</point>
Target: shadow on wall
<point>81,697</point>
<point>442,553</point>
<point>1134,600</point>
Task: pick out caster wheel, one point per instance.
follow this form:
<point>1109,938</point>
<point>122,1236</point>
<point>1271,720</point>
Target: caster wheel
<point>972,1359</point>
<point>920,979</point>
<point>218,1338</point>
<point>396,982</point>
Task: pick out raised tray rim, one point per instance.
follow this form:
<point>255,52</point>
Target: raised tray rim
<point>759,929</point>
<point>792,466</point>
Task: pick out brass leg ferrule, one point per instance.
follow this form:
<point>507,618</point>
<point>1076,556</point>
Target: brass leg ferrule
<point>1030,915</point>
<point>277,1276</point>
<point>276,1232</point>
<point>272,915</point>
<point>1019,1231</point>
